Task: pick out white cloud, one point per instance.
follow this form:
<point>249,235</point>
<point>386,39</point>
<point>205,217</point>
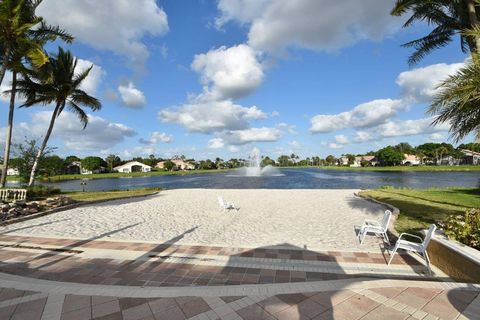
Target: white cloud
<point>362,136</point>
<point>99,134</point>
<point>341,139</point>
<point>420,84</point>
<point>289,128</point>
<point>313,24</point>
<point>209,117</point>
<point>216,143</point>
<point>436,137</point>
<point>157,137</point>
<point>333,145</point>
<point>92,81</point>
<point>409,127</point>
<point>241,137</point>
<point>264,134</point>
<point>228,73</point>
<point>233,149</point>
<point>131,96</point>
<point>114,25</point>
<point>295,145</point>
<point>362,116</point>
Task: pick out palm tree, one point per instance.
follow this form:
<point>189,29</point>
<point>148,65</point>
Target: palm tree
<point>22,36</point>
<point>57,84</point>
<point>449,18</point>
<point>457,101</point>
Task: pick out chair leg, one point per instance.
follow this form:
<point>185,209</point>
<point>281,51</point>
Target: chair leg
<point>393,254</point>
<point>385,237</point>
<point>363,236</point>
<point>427,259</point>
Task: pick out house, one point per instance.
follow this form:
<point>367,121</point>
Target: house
<point>362,159</point>
<point>343,161</point>
<point>411,160</point>
<point>73,168</point>
<point>133,166</point>
<point>471,157</point>
<point>179,164</point>
<point>11,171</point>
<point>449,161</point>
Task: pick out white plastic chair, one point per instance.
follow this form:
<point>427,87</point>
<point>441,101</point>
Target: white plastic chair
<point>418,247</point>
<point>381,228</point>
<point>225,205</point>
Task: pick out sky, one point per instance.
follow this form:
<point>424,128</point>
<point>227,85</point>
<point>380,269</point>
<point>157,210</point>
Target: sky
<point>207,79</point>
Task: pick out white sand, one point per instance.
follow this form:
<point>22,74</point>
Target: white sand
<point>317,219</point>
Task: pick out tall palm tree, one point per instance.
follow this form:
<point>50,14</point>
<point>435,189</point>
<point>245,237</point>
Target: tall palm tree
<point>57,84</point>
<point>22,37</point>
<point>457,101</point>
<point>449,18</point>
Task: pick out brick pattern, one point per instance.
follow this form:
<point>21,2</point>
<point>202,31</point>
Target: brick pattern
<point>165,249</point>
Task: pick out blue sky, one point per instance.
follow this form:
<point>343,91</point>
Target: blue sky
<point>216,78</point>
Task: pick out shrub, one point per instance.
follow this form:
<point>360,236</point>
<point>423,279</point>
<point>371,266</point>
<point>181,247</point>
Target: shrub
<point>41,191</point>
<point>464,228</point>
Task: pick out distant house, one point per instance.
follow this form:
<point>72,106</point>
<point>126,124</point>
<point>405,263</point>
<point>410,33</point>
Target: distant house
<point>411,160</point>
<point>358,161</point>
<point>133,166</point>
<point>73,168</point>
<point>343,161</point>
<point>179,164</point>
<point>13,172</point>
<point>471,157</point>
<point>449,161</point>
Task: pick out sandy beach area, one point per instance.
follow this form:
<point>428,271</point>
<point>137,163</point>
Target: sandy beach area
<point>313,219</point>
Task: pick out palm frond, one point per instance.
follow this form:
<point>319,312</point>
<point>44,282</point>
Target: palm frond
<point>82,116</point>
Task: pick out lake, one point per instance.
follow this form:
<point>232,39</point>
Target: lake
<point>308,178</point>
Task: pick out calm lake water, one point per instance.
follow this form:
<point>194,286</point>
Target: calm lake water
<point>310,178</point>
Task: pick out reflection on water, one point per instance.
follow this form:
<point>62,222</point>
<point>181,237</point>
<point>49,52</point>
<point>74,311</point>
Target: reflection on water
<point>290,179</point>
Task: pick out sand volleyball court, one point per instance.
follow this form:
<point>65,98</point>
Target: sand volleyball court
<point>313,219</point>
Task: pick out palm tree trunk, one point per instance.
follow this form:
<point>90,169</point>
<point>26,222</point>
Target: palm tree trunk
<point>8,140</point>
<point>42,147</point>
<point>3,69</point>
<point>472,14</point>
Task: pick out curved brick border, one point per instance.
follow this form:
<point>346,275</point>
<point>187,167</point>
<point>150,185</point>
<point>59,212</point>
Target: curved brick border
<point>47,286</point>
<point>68,207</point>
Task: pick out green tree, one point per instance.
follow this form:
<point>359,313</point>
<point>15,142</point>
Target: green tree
<point>351,158</point>
<point>448,18</point>
<point>71,159</point>
<point>61,88</point>
<point>168,165</point>
<point>93,163</point>
<point>25,156</point>
<point>22,36</point>
<point>283,161</point>
<point>330,160</point>
<point>266,161</point>
<point>457,101</point>
<point>52,165</point>
<point>388,156</point>
<point>112,161</point>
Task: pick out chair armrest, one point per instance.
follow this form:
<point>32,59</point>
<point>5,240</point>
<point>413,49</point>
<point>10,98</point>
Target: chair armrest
<point>371,222</point>
<point>410,235</point>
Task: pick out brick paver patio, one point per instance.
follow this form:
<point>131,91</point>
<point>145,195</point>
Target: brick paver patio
<point>51,278</point>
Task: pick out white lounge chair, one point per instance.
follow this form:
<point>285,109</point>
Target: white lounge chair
<point>381,228</point>
<point>418,247</point>
<point>225,205</point>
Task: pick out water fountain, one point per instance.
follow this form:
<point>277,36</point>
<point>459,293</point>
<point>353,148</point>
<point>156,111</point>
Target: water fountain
<point>254,168</point>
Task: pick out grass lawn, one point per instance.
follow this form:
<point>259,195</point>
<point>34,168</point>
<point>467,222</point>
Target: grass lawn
<point>108,195</point>
<point>421,207</point>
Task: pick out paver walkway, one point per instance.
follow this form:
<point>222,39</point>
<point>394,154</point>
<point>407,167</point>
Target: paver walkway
<point>52,278</point>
